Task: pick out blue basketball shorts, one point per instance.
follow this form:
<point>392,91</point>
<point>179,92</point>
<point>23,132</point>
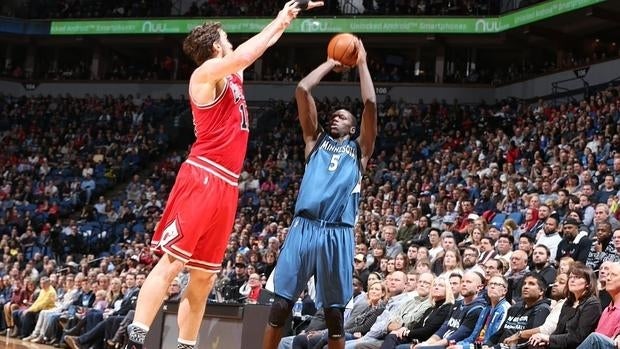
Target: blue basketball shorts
<point>325,251</point>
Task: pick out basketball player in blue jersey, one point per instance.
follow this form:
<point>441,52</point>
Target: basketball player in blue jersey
<point>320,240</point>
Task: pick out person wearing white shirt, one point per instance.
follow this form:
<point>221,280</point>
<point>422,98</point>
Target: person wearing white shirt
<point>550,237</point>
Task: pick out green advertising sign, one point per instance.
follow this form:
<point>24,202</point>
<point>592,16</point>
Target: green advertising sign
<point>383,25</point>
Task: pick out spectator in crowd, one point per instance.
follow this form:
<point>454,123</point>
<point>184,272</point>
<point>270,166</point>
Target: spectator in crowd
<point>465,313</point>
<point>493,316</point>
<point>608,329</point>
<point>442,300</point>
<point>397,297</point>
<point>550,237</point>
<point>575,243</point>
<point>578,315</point>
<point>45,300</point>
<point>529,313</point>
<point>603,249</point>
<point>541,265</point>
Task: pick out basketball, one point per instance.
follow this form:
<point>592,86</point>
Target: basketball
<point>342,49</point>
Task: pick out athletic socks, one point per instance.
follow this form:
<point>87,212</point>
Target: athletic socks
<point>185,344</point>
<point>137,334</point>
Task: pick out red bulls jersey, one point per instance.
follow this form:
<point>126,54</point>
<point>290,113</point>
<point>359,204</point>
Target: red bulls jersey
<point>222,127</point>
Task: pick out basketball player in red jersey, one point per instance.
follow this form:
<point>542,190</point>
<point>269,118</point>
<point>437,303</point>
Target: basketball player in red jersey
<point>196,224</point>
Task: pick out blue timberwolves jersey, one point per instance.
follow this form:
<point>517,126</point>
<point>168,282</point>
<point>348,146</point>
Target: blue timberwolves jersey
<point>330,188</point>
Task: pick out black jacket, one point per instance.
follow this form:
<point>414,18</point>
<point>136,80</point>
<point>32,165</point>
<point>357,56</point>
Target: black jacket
<point>432,319</point>
<point>128,303</point>
<point>578,251</point>
<point>521,318</point>
<point>575,324</point>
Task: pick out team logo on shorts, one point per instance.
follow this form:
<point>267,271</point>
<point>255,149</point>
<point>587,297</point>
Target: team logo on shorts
<point>170,233</point>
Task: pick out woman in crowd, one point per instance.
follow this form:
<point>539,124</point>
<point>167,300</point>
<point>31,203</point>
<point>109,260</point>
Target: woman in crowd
<point>401,262</point>
<point>530,223</point>
<point>566,263</point>
<point>442,299</point>
<point>378,254</point>
<point>579,315</point>
<point>423,254</point>
<point>452,263</point>
<point>412,256</point>
<point>354,327</point>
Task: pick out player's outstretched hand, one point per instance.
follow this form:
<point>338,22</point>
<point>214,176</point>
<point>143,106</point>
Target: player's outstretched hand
<point>309,5</point>
<point>289,12</point>
<point>361,52</point>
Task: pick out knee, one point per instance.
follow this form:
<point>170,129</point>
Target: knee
<point>168,267</point>
<point>334,321</point>
<point>280,311</point>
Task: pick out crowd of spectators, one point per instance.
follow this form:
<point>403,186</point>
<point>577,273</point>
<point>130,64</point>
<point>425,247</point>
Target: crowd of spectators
<point>501,190</point>
<point>219,8</point>
<point>66,226</point>
<point>384,68</point>
<point>521,194</point>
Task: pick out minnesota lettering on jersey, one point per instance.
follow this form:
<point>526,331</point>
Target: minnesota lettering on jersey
<point>339,149</point>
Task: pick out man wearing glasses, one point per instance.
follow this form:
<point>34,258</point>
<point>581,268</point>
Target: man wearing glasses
<point>530,312</point>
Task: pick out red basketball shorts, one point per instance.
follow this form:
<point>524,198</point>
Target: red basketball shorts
<point>199,215</point>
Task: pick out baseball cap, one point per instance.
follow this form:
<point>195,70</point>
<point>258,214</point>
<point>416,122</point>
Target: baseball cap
<point>571,221</point>
<point>360,257</point>
<point>473,216</point>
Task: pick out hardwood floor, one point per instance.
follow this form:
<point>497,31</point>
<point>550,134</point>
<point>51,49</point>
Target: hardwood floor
<point>13,343</point>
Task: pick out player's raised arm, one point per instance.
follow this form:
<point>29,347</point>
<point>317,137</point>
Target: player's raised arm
<point>306,105</point>
<point>368,129</point>
<point>248,52</point>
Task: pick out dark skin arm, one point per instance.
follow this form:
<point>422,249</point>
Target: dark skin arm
<point>308,112</point>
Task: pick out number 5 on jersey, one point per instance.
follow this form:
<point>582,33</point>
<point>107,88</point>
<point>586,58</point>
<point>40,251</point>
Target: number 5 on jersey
<point>333,164</point>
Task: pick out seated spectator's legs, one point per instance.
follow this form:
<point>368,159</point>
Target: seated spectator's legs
<point>43,315</point>
<point>53,332</point>
<point>16,315</point>
<point>391,341</point>
<point>3,325</point>
<point>28,320</point>
<point>8,318</point>
<point>93,317</point>
<point>597,341</point>
<point>368,343</point>
<point>286,342</point>
<point>404,346</point>
<point>112,325</point>
<point>121,333</point>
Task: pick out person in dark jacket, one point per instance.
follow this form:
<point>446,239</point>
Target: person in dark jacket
<point>442,300</point>
<point>574,243</point>
<point>464,314</point>
<point>579,315</point>
<point>541,265</point>
<point>530,312</point>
